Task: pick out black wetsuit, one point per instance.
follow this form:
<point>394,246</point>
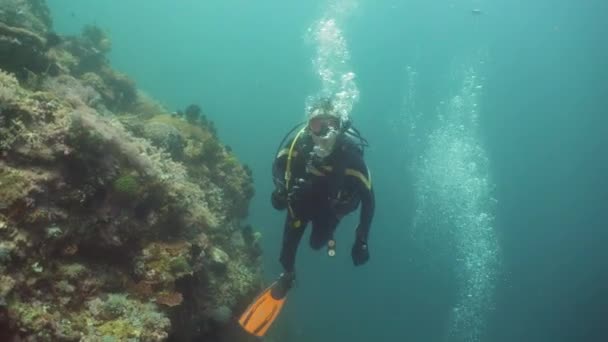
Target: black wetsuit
<point>328,190</point>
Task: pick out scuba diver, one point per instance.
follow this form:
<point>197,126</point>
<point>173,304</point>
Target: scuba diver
<point>320,176</point>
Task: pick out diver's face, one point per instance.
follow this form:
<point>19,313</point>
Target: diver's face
<point>325,143</point>
<point>321,125</point>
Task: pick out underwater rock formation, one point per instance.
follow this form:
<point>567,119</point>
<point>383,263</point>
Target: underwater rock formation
<point>118,221</point>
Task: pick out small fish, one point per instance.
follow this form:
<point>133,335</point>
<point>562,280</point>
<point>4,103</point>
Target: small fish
<point>476,11</point>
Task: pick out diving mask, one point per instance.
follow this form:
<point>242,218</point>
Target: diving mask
<point>324,129</point>
<point>321,125</point>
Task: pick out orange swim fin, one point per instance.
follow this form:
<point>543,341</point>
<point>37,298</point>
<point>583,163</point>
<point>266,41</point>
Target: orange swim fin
<point>260,314</point>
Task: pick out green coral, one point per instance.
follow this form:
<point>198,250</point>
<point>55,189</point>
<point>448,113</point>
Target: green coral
<point>14,185</point>
<point>35,317</point>
<point>119,329</point>
<point>125,319</point>
<point>179,265</point>
<point>126,186</point>
<point>115,306</point>
<point>72,271</point>
<point>117,317</point>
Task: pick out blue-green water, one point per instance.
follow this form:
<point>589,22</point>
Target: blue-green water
<point>488,138</point>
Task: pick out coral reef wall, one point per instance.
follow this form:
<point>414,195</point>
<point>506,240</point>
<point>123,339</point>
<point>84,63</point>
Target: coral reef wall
<point>119,221</point>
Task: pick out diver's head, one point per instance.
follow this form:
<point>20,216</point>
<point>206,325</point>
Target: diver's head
<point>324,125</point>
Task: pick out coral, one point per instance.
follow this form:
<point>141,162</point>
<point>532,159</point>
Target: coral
<point>6,285</point>
<point>5,254</point>
<point>120,318</point>
<point>219,258</point>
<point>53,232</point>
<point>24,36</point>
<point>15,184</point>
<point>118,220</point>
<point>97,38</point>
<point>116,90</point>
<point>146,107</point>
<point>95,81</point>
<point>9,90</point>
<point>189,131</point>
<point>22,50</point>
<point>143,289</point>
<point>65,62</point>
<point>114,306</point>
<point>31,125</point>
<point>166,137</point>
<point>179,265</point>
<point>64,287</point>
<point>35,317</point>
<point>193,113</point>
<point>207,160</point>
<point>73,271</point>
<point>123,88</point>
<point>71,90</point>
<point>162,263</point>
<point>126,186</point>
<point>33,15</point>
<point>170,299</point>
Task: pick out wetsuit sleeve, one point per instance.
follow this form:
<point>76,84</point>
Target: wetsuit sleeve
<point>279,167</point>
<point>364,187</point>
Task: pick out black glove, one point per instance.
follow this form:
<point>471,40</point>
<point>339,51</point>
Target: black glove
<point>298,190</point>
<point>279,199</point>
<point>360,252</point>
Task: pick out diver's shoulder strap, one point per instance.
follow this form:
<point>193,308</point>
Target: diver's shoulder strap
<point>290,155</point>
<point>349,143</point>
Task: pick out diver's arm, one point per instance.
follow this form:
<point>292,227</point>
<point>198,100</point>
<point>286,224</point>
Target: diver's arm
<point>367,213</point>
<point>366,194</point>
<point>279,167</point>
<point>278,198</point>
<point>360,250</point>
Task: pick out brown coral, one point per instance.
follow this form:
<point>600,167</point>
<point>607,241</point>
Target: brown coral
<point>170,299</point>
<point>143,289</point>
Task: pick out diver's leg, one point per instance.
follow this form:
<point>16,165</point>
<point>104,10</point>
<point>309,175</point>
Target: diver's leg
<point>323,230</point>
<point>292,234</point>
